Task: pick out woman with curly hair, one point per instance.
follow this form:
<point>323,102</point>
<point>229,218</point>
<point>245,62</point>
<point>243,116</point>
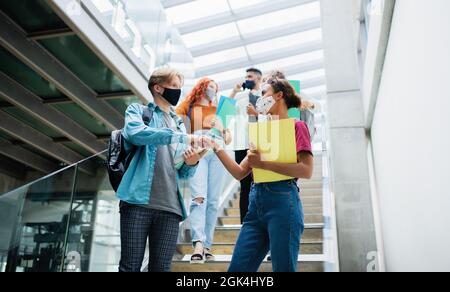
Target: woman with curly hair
<point>199,110</point>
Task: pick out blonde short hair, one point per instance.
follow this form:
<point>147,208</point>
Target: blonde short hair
<point>164,75</point>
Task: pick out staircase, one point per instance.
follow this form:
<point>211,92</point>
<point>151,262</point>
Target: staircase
<point>228,228</point>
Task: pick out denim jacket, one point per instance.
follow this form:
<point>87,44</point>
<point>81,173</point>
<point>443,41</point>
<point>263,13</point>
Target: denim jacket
<point>136,184</point>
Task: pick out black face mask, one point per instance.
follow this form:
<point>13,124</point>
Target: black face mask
<point>172,95</point>
<point>249,84</point>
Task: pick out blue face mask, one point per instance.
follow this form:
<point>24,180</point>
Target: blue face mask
<point>249,84</point>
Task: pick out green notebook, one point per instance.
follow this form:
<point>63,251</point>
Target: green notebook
<point>296,85</point>
<point>226,110</point>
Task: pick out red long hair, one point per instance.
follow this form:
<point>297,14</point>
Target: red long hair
<point>199,90</point>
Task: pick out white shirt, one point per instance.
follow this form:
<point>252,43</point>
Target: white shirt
<point>239,125</point>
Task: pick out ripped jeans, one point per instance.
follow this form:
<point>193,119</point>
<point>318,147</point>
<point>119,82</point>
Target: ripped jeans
<point>208,183</point>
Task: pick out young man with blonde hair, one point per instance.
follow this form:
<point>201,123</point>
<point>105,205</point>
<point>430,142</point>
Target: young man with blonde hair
<point>152,206</point>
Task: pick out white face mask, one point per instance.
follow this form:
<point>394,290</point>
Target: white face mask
<point>210,93</point>
<point>265,104</point>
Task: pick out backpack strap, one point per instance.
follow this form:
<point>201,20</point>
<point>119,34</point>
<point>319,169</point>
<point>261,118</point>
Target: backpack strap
<point>147,116</point>
<point>189,117</point>
<point>191,106</point>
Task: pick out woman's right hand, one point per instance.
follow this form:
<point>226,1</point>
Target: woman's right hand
<point>199,141</point>
<point>216,147</point>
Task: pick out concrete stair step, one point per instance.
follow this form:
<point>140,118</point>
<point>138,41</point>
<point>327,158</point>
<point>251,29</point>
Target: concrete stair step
<point>312,180</point>
<point>229,234</point>
<point>310,201</point>
<point>228,248</point>
<point>309,210</point>
<point>311,185</point>
<point>310,192</point>
<point>236,220</point>
<point>307,263</point>
<point>305,191</point>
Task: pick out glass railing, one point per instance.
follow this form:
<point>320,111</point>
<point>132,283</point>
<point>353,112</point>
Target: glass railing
<point>65,222</point>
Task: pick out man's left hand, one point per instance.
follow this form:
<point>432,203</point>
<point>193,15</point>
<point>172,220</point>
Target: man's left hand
<point>192,157</point>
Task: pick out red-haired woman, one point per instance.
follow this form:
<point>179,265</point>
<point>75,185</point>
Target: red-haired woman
<point>199,108</point>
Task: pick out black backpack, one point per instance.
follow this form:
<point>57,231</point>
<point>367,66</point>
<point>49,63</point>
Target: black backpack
<point>117,159</point>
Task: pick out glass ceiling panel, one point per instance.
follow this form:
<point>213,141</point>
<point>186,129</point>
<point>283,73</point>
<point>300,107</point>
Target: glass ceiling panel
<point>220,57</point>
<point>210,35</point>
<point>203,8</point>
<point>238,4</point>
<point>199,9</point>
<point>284,42</point>
<point>295,60</point>
<point>282,17</point>
<point>315,90</point>
<point>308,75</point>
<point>227,75</point>
<point>265,67</point>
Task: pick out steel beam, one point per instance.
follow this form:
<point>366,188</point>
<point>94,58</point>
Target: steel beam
<point>48,34</point>
<point>26,157</point>
<point>29,135</point>
<point>15,40</point>
<point>12,168</point>
<point>20,97</point>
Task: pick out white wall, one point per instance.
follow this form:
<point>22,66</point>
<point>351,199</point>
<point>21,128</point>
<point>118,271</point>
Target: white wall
<point>411,140</point>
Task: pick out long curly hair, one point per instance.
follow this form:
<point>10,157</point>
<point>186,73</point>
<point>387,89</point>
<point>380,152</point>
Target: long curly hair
<point>199,90</point>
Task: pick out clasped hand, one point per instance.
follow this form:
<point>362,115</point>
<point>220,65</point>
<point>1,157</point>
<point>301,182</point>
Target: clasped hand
<point>198,149</point>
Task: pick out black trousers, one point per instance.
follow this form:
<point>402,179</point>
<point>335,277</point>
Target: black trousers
<point>137,224</point>
<point>246,185</point>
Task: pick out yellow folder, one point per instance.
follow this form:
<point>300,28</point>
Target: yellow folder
<point>276,142</point>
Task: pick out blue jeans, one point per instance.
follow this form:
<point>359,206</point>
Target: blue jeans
<point>274,222</point>
<point>207,183</point>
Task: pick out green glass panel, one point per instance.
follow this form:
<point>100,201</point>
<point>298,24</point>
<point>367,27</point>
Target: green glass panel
<point>30,121</point>
<point>73,53</point>
<point>28,78</point>
<point>32,15</point>
<point>81,117</point>
<point>34,224</point>
<point>94,220</point>
<point>122,104</point>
